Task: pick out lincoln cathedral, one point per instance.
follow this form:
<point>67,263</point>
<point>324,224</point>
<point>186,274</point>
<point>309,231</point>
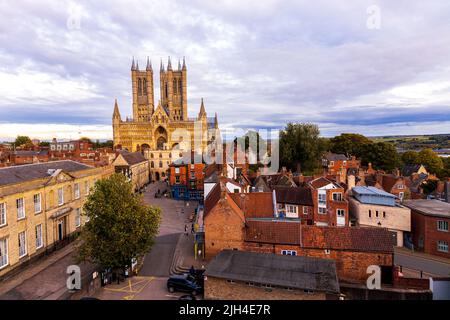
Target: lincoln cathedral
<point>153,130</point>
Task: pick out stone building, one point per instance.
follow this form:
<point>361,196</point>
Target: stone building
<point>135,167</point>
<point>165,130</point>
<point>372,207</point>
<point>41,208</point>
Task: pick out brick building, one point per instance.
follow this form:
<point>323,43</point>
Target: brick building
<point>40,208</point>
<point>19,157</point>
<point>330,205</point>
<point>186,180</point>
<point>249,222</point>
<point>333,163</point>
<point>430,221</point>
<point>238,275</point>
<point>295,202</point>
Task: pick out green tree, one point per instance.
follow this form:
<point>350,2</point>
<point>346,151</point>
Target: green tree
<point>350,144</point>
<point>300,144</point>
<point>121,226</point>
<point>432,162</point>
<point>382,155</point>
<point>44,144</point>
<point>22,141</point>
<point>410,157</point>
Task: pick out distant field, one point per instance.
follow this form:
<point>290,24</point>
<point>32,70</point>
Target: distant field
<point>416,142</point>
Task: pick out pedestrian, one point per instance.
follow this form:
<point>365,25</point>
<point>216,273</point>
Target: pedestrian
<point>192,270</point>
<point>192,228</point>
<point>185,230</point>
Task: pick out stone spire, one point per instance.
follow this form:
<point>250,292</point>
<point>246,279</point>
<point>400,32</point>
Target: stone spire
<point>116,113</point>
<point>133,67</point>
<point>169,65</point>
<point>162,66</point>
<point>179,65</point>
<point>137,65</point>
<point>216,123</point>
<point>202,112</point>
<point>149,65</point>
<point>184,63</point>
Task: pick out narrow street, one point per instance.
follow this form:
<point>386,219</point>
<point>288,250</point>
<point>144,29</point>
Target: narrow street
<point>417,262</point>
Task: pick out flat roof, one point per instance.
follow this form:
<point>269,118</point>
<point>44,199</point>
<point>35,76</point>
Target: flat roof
<point>278,270</point>
<point>429,207</point>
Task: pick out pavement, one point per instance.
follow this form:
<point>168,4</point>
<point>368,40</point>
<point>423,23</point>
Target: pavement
<point>414,262</point>
<point>44,279</point>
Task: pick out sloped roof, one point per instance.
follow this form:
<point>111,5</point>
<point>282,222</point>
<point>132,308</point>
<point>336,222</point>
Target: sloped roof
<point>409,169</point>
<point>294,195</point>
<point>429,207</point>
<point>335,156</point>
<point>28,172</point>
<point>133,157</point>
<point>337,238</point>
<point>320,182</point>
<point>277,270</point>
<point>212,198</point>
<point>255,204</point>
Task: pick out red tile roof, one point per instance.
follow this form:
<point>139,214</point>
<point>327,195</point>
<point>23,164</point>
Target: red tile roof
<point>336,238</point>
<point>257,204</point>
<point>212,198</point>
<point>320,182</point>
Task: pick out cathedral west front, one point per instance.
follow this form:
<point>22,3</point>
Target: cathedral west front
<point>153,130</point>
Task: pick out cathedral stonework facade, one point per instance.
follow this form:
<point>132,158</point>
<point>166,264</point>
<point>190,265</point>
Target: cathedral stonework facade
<point>154,131</point>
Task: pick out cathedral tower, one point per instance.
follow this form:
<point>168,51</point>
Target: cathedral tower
<point>143,97</point>
<point>173,85</point>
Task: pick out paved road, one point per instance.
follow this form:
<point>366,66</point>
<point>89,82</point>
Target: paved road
<point>157,263</point>
<point>415,262</point>
<point>174,218</point>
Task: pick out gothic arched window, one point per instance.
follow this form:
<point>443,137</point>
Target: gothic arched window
<point>160,164</point>
<point>145,87</point>
<point>152,164</point>
<point>139,87</point>
<point>175,86</point>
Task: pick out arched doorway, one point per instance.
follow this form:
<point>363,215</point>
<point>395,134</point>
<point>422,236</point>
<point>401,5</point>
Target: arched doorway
<point>157,176</point>
<point>160,137</point>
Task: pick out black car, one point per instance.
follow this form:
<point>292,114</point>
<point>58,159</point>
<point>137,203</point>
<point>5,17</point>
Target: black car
<point>187,297</point>
<point>185,283</point>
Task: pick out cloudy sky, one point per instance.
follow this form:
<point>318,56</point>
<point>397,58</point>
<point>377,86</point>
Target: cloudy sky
<point>258,64</point>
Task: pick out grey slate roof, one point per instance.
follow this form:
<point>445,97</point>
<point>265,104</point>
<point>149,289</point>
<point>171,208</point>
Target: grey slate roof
<point>409,169</point>
<point>28,172</point>
<point>277,270</point>
<point>335,156</point>
<point>429,207</point>
<point>133,157</point>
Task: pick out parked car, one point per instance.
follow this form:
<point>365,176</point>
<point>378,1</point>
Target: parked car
<point>184,283</point>
<point>187,297</point>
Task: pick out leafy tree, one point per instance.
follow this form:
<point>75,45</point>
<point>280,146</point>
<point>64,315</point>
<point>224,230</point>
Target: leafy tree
<point>300,144</point>
<point>22,141</point>
<point>121,226</point>
<point>350,144</point>
<point>429,186</point>
<point>382,155</point>
<point>410,157</point>
<point>431,160</point>
<point>86,139</point>
<point>44,144</point>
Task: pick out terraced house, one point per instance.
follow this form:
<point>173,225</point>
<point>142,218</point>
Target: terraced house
<point>41,208</point>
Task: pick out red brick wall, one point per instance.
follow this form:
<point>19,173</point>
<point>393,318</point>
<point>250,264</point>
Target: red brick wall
<point>332,206</point>
<point>224,228</point>
<point>426,226</point>
<point>350,265</point>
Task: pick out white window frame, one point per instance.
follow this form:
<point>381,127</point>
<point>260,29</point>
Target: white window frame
<point>3,220</point>
<point>401,195</point>
<point>291,209</point>
<point>442,225</point>
<point>39,237</point>
<point>87,187</point>
<point>442,246</point>
<point>60,196</point>
<point>77,217</point>
<point>4,260</point>
<point>22,253</point>
<point>37,205</point>
<point>20,210</point>
<point>76,190</point>
<point>337,193</point>
<point>321,208</point>
<point>305,210</point>
<point>289,252</point>
<point>339,215</point>
<point>322,197</point>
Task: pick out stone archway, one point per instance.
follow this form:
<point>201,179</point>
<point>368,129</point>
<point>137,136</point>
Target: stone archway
<point>160,137</point>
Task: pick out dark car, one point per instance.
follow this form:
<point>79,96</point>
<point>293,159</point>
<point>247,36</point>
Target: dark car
<point>187,297</point>
<point>185,283</point>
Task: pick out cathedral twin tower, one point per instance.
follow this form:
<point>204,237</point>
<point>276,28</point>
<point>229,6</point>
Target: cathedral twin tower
<point>173,90</point>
